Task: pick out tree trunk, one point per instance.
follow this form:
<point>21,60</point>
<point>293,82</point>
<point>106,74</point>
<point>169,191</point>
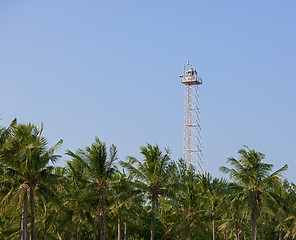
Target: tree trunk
<point>96,229</point>
<point>32,235</point>
<point>79,234</point>
<point>24,225</point>
<point>152,220</point>
<point>281,232</point>
<point>236,231</point>
<point>45,231</point>
<point>214,229</point>
<point>125,230</point>
<point>254,224</point>
<point>119,227</point>
<point>103,237</point>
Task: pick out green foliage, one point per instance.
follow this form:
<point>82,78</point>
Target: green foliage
<point>90,195</point>
<point>256,182</point>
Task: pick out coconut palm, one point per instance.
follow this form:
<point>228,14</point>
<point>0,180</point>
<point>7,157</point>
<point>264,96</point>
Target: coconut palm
<point>126,205</point>
<point>256,180</point>
<point>5,132</point>
<point>48,206</point>
<point>6,185</point>
<point>151,177</point>
<point>121,200</point>
<point>80,201</point>
<point>232,221</point>
<point>99,165</point>
<point>26,157</point>
<point>214,191</point>
<point>183,216</point>
<point>283,209</point>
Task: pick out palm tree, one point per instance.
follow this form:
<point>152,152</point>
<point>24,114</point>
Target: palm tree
<point>151,176</point>
<point>214,191</point>
<point>281,211</point>
<point>183,216</point>
<point>5,132</point>
<point>256,180</point>
<point>79,199</point>
<point>120,189</point>
<point>100,169</point>
<point>6,185</point>
<point>232,221</point>
<point>25,156</point>
<point>126,205</point>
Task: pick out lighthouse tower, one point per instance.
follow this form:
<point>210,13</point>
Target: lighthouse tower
<point>192,145</point>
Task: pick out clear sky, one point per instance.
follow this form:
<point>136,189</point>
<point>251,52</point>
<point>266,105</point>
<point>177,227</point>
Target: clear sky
<point>110,69</point>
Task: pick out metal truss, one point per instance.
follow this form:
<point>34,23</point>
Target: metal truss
<point>192,144</point>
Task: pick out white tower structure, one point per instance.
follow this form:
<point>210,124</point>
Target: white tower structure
<point>192,145</point>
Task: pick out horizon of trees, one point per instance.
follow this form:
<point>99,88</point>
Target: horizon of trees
<point>98,196</point>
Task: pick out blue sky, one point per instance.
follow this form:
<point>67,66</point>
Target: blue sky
<point>110,69</point>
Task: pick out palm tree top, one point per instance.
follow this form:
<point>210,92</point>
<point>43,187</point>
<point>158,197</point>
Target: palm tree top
<point>26,150</point>
<point>96,160</point>
<point>154,166</point>
<point>249,170</point>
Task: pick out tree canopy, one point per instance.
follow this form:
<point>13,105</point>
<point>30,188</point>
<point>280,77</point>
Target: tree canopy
<point>98,196</point>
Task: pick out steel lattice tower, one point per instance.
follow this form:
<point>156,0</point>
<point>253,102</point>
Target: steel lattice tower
<point>192,145</point>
